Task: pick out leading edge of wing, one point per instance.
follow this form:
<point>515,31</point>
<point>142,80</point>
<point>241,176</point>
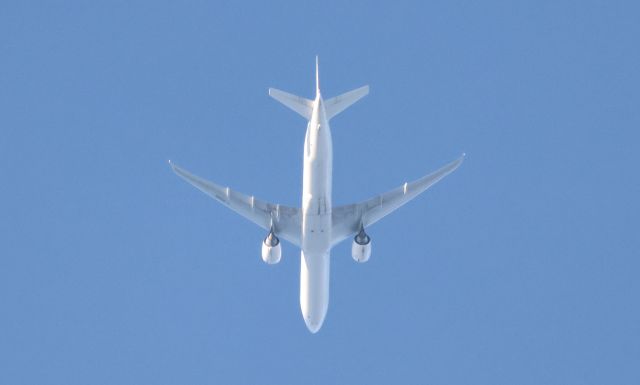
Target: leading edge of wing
<point>347,219</point>
<point>286,220</point>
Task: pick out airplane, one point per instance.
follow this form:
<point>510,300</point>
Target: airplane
<point>317,226</point>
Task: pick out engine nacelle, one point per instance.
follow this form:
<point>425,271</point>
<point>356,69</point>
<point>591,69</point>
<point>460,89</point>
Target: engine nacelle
<point>271,250</point>
<point>361,247</point>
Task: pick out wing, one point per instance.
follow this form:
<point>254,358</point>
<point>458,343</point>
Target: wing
<point>347,219</point>
<point>286,220</point>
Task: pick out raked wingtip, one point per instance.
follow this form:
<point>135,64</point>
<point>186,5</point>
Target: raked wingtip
<point>456,163</point>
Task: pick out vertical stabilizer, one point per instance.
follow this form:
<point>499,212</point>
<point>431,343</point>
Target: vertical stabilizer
<point>317,78</point>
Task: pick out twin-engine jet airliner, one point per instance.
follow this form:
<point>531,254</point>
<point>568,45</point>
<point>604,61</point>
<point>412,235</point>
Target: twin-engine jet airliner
<point>318,225</point>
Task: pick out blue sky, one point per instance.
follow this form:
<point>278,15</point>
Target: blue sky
<point>521,267</point>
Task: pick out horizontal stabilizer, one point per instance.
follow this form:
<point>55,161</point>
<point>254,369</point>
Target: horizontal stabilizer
<point>299,104</point>
<point>336,105</point>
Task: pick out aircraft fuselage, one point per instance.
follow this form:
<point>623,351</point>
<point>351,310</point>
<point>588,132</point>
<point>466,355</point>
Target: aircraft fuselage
<point>316,218</point>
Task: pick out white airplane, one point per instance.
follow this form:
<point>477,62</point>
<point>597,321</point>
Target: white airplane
<point>318,225</point>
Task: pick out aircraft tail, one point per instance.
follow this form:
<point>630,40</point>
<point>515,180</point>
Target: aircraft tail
<point>333,106</point>
<point>337,104</point>
<point>317,77</point>
<point>298,104</point>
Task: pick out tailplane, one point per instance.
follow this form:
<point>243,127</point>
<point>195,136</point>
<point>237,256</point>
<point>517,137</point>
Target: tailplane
<point>333,106</point>
<point>299,104</point>
<point>337,104</point>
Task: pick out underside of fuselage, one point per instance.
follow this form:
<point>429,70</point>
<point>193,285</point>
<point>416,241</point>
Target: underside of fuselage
<point>314,289</point>
<point>316,218</point>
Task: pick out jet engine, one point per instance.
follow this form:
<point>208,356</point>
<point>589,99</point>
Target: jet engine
<point>361,247</point>
<point>271,250</point>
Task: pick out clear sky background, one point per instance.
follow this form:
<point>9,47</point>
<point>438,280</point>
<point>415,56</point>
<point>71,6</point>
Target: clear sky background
<point>519,268</point>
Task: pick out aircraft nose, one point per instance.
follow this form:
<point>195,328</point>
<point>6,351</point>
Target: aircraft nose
<point>313,324</point>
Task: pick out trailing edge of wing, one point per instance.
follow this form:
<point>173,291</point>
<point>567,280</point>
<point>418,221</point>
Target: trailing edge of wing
<point>347,219</point>
<point>286,220</point>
